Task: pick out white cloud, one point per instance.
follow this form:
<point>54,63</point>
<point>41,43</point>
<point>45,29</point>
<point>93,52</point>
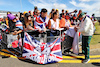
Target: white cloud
<point>86,7</point>
<point>73,2</point>
<point>49,4</point>
<point>42,4</point>
<point>59,6</point>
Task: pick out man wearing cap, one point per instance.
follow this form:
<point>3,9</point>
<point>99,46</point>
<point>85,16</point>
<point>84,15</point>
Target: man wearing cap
<point>86,29</point>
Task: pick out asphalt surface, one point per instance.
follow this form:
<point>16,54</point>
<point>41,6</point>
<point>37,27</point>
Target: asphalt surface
<point>13,62</point>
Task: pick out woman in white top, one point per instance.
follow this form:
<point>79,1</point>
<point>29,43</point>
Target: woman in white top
<point>54,24</point>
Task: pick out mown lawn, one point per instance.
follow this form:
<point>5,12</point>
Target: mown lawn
<point>96,37</point>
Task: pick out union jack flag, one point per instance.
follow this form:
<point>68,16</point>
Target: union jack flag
<point>41,24</point>
<point>42,53</point>
<point>19,25</point>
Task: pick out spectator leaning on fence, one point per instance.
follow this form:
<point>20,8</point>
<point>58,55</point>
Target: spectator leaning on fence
<point>86,29</point>
<point>15,26</point>
<point>65,22</point>
<point>41,21</point>
<point>54,24</point>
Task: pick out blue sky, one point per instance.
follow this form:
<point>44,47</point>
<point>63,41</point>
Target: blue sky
<point>89,6</point>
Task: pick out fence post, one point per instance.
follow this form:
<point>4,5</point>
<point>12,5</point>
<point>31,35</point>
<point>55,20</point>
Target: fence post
<point>22,36</point>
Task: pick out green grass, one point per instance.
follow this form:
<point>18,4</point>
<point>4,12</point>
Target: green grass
<point>96,37</point>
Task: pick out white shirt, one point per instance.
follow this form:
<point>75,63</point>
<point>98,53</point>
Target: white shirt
<point>86,27</point>
<point>54,24</point>
<point>67,23</point>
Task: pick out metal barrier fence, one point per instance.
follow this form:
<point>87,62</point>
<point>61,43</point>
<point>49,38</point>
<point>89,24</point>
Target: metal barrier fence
<point>7,40</point>
<point>47,36</point>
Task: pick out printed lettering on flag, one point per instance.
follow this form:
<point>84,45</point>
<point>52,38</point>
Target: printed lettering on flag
<point>42,53</point>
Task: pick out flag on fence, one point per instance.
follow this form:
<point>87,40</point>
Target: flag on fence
<point>42,53</point>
